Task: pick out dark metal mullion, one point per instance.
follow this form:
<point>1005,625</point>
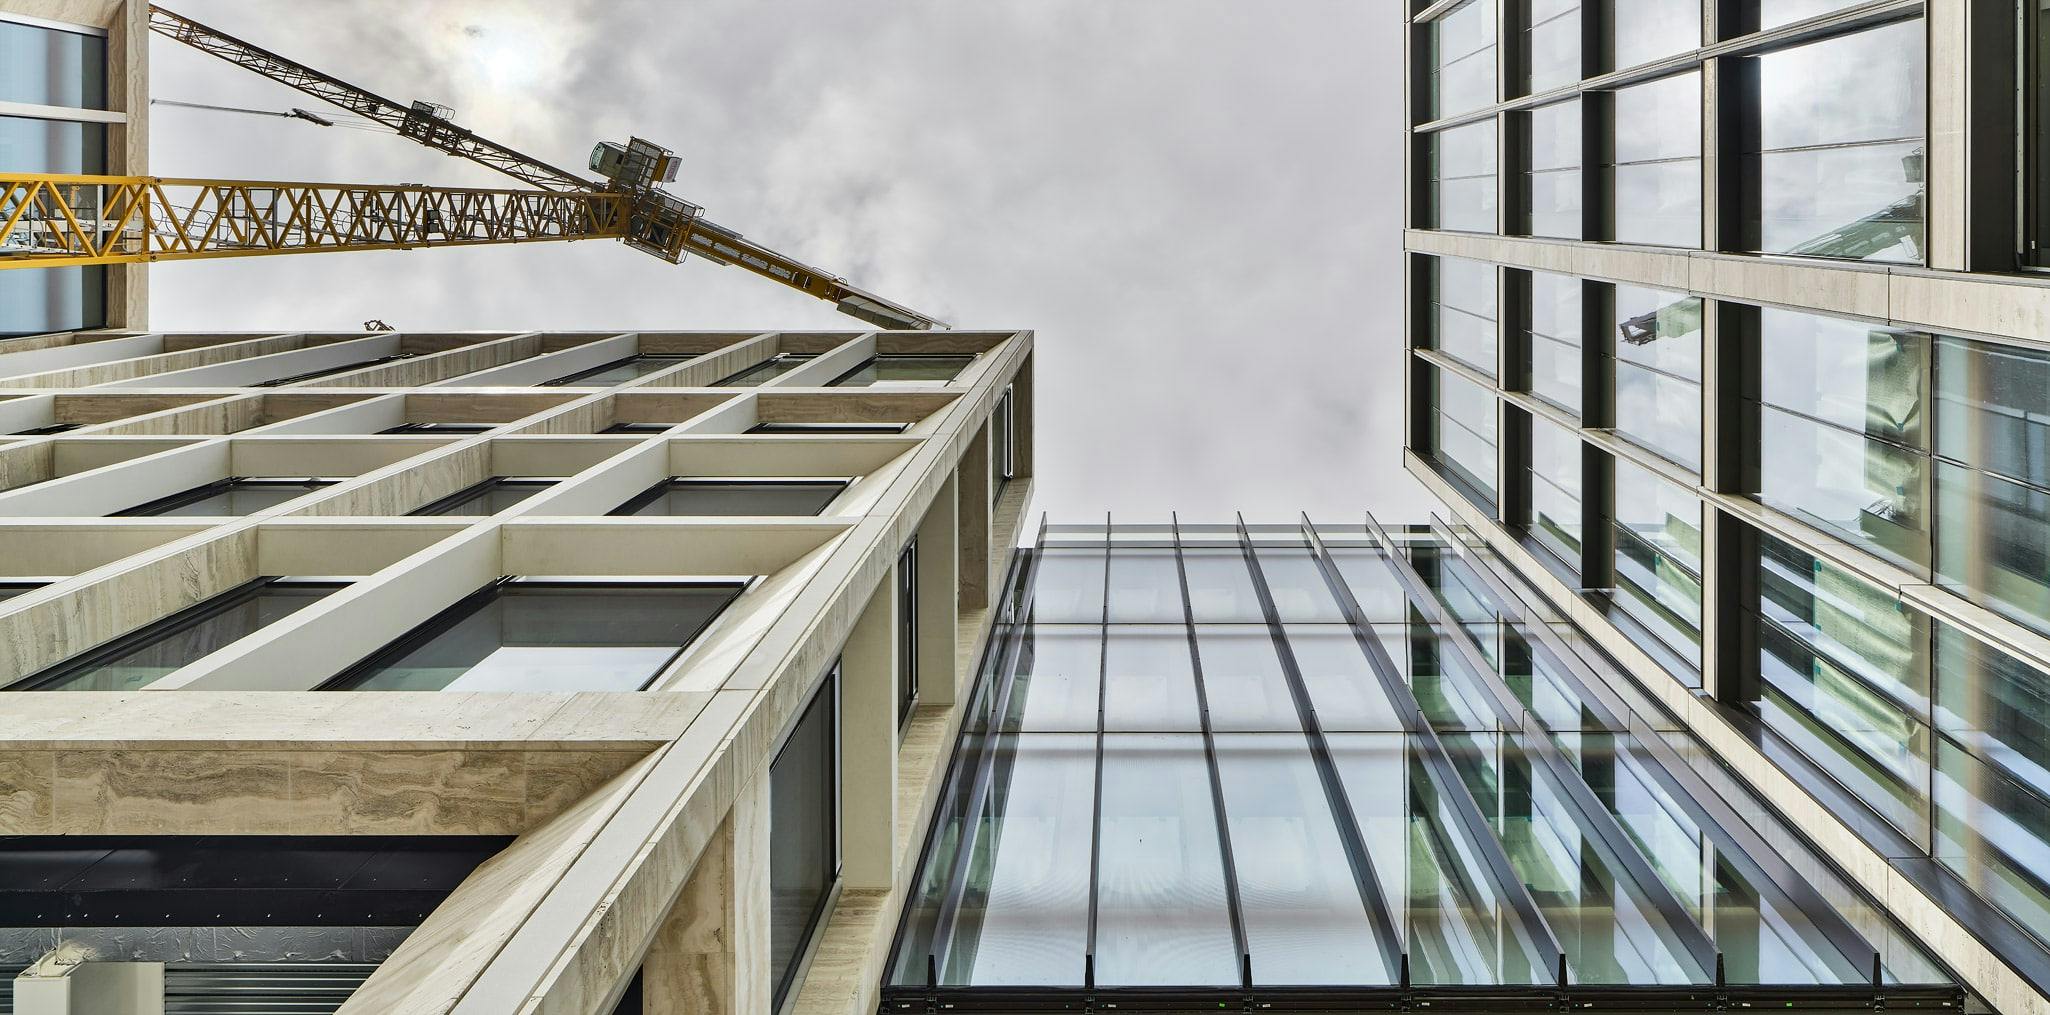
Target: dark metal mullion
<point>1508,884</point>
<point>1595,818</point>
<point>1745,847</point>
<point>1508,708</point>
<point>1231,874</point>
<point>1096,799</point>
<point>1356,854</point>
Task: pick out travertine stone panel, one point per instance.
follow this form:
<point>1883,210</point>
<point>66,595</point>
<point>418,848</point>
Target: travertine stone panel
<point>854,405</point>
<point>242,347</point>
<point>27,792</point>
<point>26,464</point>
<point>409,793</point>
<point>409,484</point>
<point>173,793</point>
<point>557,780</point>
<point>710,957</point>
<point>868,742</point>
<point>973,519</point>
<point>1858,291</point>
<point>713,366</point>
<point>939,605</point>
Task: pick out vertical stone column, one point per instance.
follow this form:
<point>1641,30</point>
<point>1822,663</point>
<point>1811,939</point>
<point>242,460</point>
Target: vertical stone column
<point>939,610</point>
<point>974,521</point>
<point>868,742</point>
<point>711,956</point>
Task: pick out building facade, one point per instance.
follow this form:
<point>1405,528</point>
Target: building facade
<point>1726,330</point>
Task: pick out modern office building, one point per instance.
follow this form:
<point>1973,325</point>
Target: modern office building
<point>1728,334</point>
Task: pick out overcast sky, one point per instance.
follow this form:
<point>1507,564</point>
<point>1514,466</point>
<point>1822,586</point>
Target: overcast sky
<point>1196,204</point>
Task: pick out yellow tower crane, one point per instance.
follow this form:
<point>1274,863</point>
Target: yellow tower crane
<point>57,220</point>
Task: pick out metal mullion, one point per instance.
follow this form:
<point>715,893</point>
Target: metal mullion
<point>1508,884</point>
<point>1356,854</point>
<point>1739,841</point>
<point>1231,875</point>
<point>1596,819</point>
<point>1096,800</point>
<point>1508,708</point>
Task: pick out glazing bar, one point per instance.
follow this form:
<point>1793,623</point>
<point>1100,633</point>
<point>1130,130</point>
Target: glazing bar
<point>1096,806</point>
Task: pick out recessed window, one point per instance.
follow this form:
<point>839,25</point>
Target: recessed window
<point>1658,558</point>
<point>442,428</point>
<point>1462,434</point>
<point>1462,59</point>
<point>1553,346</point>
<point>919,371</point>
<point>1760,15</point>
<point>46,430</point>
<point>278,382</point>
<point>907,631</point>
<point>637,428</point>
<point>826,428</point>
<point>619,371</point>
<point>733,497</point>
<point>486,498</point>
<point>50,67</point>
<point>1654,172</point>
<point>1551,44</point>
<point>230,498</point>
<point>1003,439</point>
<point>142,657</point>
<point>524,634</point>
<point>765,371</point>
<point>1554,511</point>
<point>804,834</point>
<point>1463,311</point>
<point>11,588</point>
<point>1641,31</point>
<point>1462,177</point>
<point>1551,171</point>
<point>1658,372</point>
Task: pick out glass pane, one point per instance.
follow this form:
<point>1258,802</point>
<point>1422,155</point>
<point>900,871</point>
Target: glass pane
<point>1370,577</point>
<point>1463,312</point>
<point>1991,547</point>
<point>1645,30</point>
<point>1994,831</point>
<point>1058,679</point>
<point>1658,557</point>
<point>1555,337</point>
<point>1161,907</point>
<point>1555,511</point>
<point>920,370</point>
<point>1296,584</point>
<point>1242,680</point>
<point>1862,630</point>
<point>1343,688</point>
<point>1866,491</point>
<point>52,299</point>
<point>1463,177</point>
<point>1306,922</point>
<point>215,624</point>
<point>1149,682</point>
<point>698,497</point>
<point>1994,705</point>
<point>1463,438</point>
<point>236,500</point>
<point>1552,44</point>
<point>1656,175</point>
<point>1552,186</point>
<point>1067,586</point>
<point>763,372</point>
<point>1993,408</point>
<point>1785,12</point>
<point>549,638</point>
<point>52,146</point>
<point>623,371</point>
<point>488,498</point>
<point>804,833</point>
<point>1659,330</point>
<point>1843,159</point>
<point>1659,412</point>
<point>1463,65</point>
<point>1860,378</point>
<point>1145,587</point>
<point>1220,587</point>
<point>48,67</point>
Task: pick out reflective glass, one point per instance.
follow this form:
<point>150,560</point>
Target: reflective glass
<point>680,497</point>
<point>1774,13</point>
<point>1463,432</point>
<point>1464,311</point>
<point>1058,678</point>
<point>545,637</point>
<point>1851,375</point>
<point>1551,180</point>
<point>486,498</point>
<point>52,299</point>
<point>135,662</point>
<point>1551,44</point>
<point>804,833</point>
<point>1867,491</point>
<point>52,146</point>
<point>1555,339</point>
<point>1656,175</point>
<point>1463,59</point>
<point>1991,546</point>
<point>1162,916</point>
<point>233,499</point>
<point>1993,829</point>
<point>1242,680</point>
<point>1644,30</point>
<point>1555,511</point>
<point>1149,683</point>
<point>1067,586</point>
<point>1659,330</point>
<point>1296,584</point>
<point>1304,916</point>
<point>1659,412</point>
<point>1145,587</point>
<point>1220,587</point>
<point>631,368</point>
<point>1463,177</point>
<point>765,371</point>
<point>1658,557</point>
<point>47,67</point>
<point>1373,586</point>
<point>1843,160</point>
<point>1341,682</point>
<point>904,370</point>
<point>1993,408</point>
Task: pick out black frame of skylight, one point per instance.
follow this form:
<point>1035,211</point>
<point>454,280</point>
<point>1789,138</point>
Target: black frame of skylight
<point>663,488</point>
<point>1660,760</point>
<point>476,490</point>
<point>781,357</point>
<point>828,428</point>
<point>46,430</point>
<point>279,382</point>
<point>166,627</point>
<point>220,486</point>
<point>459,611</point>
<point>571,378</point>
<point>967,358</point>
<point>432,427</point>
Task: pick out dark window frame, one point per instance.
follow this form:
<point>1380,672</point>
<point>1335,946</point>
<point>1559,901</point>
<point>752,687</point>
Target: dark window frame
<point>279,382</point>
<point>968,360</point>
<point>432,428</point>
<point>164,628</point>
<point>663,488</point>
<point>474,491</point>
<point>571,378</point>
<point>779,358</point>
<point>828,695</point>
<point>196,494</point>
<point>775,428</point>
<point>907,633</point>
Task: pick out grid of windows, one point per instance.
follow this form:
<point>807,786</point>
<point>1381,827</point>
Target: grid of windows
<point>1653,166</point>
<point>1463,59</point>
<point>41,65</point>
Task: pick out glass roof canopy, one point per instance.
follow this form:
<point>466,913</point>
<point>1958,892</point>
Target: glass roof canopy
<point>1280,767</point>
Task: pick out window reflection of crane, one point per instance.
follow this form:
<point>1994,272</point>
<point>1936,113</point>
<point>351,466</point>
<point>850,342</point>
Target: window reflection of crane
<point>62,220</point>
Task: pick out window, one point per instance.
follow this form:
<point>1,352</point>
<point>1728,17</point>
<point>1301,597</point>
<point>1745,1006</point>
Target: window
<point>2035,134</point>
<point>637,428</point>
<point>828,428</point>
<point>12,587</point>
<point>230,498</point>
<point>1759,16</point>
<point>1992,476</point>
<point>804,834</point>
<point>1658,372</point>
<point>486,498</point>
<point>52,146</point>
<point>1554,514</point>
<point>1462,434</point>
<point>1553,339</point>
<point>47,299</point>
<point>1462,60</point>
<point>907,631</point>
<point>1654,177</point>
<point>1837,148</point>
<point>676,496</point>
<point>278,382</point>
<point>529,634</point>
<point>1551,171</point>
<point>1641,31</point>
<point>1992,790</point>
<point>50,67</point>
<point>1841,441</point>
<point>765,371</point>
<point>904,371</point>
<point>1462,173</point>
<point>1658,558</point>
<point>1463,309</point>
<point>442,428</point>
<point>44,431</point>
<point>142,657</point>
<point>1551,44</point>
<point>1003,437</point>
<point>618,371</point>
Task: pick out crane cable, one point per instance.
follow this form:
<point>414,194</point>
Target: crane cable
<point>348,120</point>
